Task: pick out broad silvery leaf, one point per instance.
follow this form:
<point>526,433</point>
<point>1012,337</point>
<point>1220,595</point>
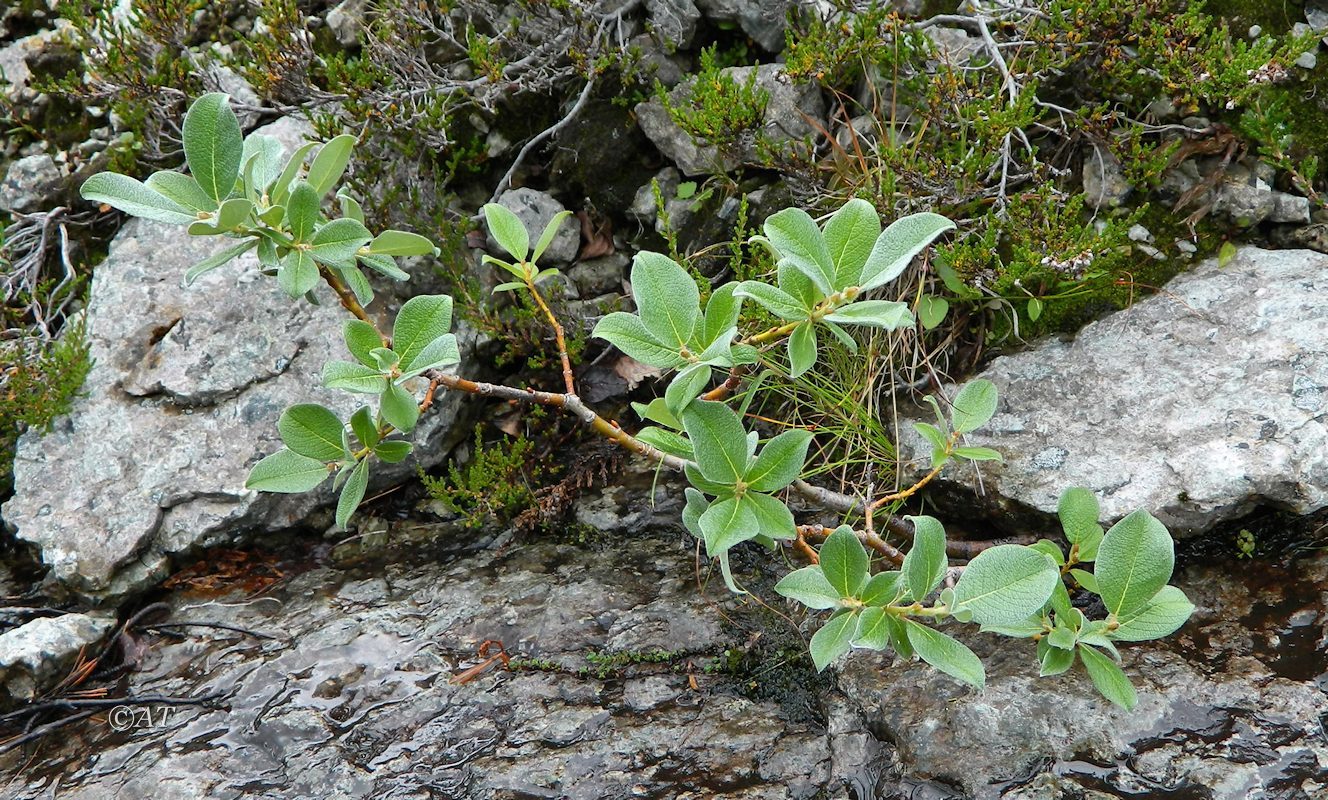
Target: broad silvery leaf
<point>719,439</point>
<point>361,339</point>
<point>262,156</point>
<point>844,561</point>
<point>330,163</point>
<point>978,453</point>
<point>311,430</point>
<point>383,265</point>
<point>394,451</point>
<point>882,589</point>
<point>925,564</point>
<point>773,518</point>
<point>297,274</point>
<point>217,259</point>
<point>400,243</point>
<point>128,195</point>
<point>780,461</point>
<point>353,378</point>
<point>366,430</point>
<point>441,352</point>
<point>850,233</point>
<point>802,349</point>
<point>421,320</point>
<point>1079,512</point>
<point>668,441</point>
<point>1108,678</point>
<point>1134,562</point>
<point>181,189</point>
<point>725,523</point>
<point>773,299</point>
<point>352,493</point>
<point>550,231</point>
<point>721,314</point>
<point>873,629</point>
<point>946,654</point>
<point>1006,584</point>
<point>809,587</point>
<point>399,409</point>
<point>281,188</point>
<point>627,333</point>
<point>898,244</point>
<point>692,511</point>
<point>213,145</point>
<point>302,211</point>
<point>507,230</point>
<point>932,310</point>
<point>1054,661</point>
<point>886,314</point>
<point>339,240</point>
<point>286,472</point>
<point>833,639</point>
<point>801,244</point>
<point>666,298</point>
<point>1161,616</point>
<point>973,406</point>
<point>686,386</point>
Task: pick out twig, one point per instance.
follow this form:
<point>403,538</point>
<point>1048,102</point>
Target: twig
<point>539,139</point>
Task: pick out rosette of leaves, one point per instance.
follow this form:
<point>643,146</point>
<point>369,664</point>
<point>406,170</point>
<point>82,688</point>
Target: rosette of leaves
<point>244,188</point>
<point>822,271</point>
<point>319,444</point>
<point>511,235</point>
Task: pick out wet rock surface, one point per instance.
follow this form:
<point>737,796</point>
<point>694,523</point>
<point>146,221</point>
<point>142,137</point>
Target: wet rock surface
<point>183,398</point>
<point>1199,403</point>
<point>622,691</point>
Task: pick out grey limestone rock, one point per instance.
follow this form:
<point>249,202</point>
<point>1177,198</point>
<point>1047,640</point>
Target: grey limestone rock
<point>39,653</point>
<point>30,184</point>
<point>1199,403</point>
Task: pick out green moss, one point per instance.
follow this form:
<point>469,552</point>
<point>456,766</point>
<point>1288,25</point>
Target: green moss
<point>1274,16</point>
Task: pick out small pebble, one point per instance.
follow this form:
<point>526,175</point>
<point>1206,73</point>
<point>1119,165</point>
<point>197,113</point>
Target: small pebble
<point>1255,30</point>
<point>1139,233</point>
<point>1307,60</point>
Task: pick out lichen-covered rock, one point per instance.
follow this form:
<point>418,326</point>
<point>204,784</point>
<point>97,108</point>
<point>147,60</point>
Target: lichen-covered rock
<point>30,183</point>
<point>1198,404</point>
<point>785,119</point>
<point>1105,185</point>
<point>39,653</point>
<point>673,21</point>
<point>182,400</point>
<point>536,209</point>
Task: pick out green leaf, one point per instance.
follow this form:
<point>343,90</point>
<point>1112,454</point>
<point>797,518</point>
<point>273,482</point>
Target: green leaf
<point>302,211</point>
<point>809,587</point>
<point>627,333</point>
<point>882,589</point>
<point>977,453</point>
<point>721,314</point>
<point>873,629</point>
<point>400,243</point>
<point>353,378</point>
<point>1078,511</point>
<point>797,285</point>
<point>1108,678</point>
<point>692,511</point>
<point>350,207</point>
<point>833,639</point>
<point>262,154</point>
<point>946,654</point>
<point>1006,584</point>
<point>286,472</point>
<point>773,518</point>
<point>311,430</point>
<point>130,196</point>
<point>1035,306</point>
<point>932,310</point>
<point>668,441</point>
<point>780,462</point>
<point>802,349</point>
<point>719,440</point>
<point>885,314</point>
<point>1225,254</point>
<point>973,406</point>
<point>507,230</point>
<point>233,213</point>
<point>297,274</point>
<point>281,189</point>
<point>925,564</point>
<point>657,411</point>
<point>441,352</point>
<point>218,259</point>
<point>330,163</point>
<point>844,561</point>
<point>1086,579</point>
<point>1134,562</point>
<point>1161,616</point>
<point>932,434</point>
<point>394,451</point>
<point>666,298</point>
<point>1054,661</point>
<point>366,430</point>
<point>801,244</point>
<point>726,523</point>
<point>361,339</point>
<point>1061,637</point>
<point>850,234</point>
<point>399,408</point>
<point>339,240</point>
<point>695,478</point>
<point>421,320</point>
<point>773,299</point>
<point>1051,549</point>
<point>352,493</point>
<point>550,231</point>
<point>1020,630</point>
<point>213,145</point>
<point>686,386</point>
<point>181,189</point>
<point>842,335</point>
<point>898,244</point>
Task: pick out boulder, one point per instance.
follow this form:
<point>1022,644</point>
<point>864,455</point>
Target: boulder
<point>536,209</point>
<point>30,184</point>
<point>1199,404</point>
<point>785,120</point>
<point>36,655</point>
<point>182,400</point>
